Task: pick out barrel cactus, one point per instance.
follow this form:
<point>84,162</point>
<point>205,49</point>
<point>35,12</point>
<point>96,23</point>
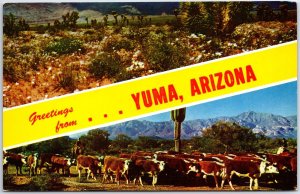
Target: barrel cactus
<point>178,117</point>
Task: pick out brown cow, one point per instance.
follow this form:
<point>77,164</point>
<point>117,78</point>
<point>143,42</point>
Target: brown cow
<point>250,169</point>
<point>172,162</point>
<point>142,166</point>
<point>44,160</point>
<point>32,164</point>
<point>62,162</point>
<point>15,159</point>
<point>89,163</point>
<point>211,168</point>
<point>115,165</point>
<point>283,163</point>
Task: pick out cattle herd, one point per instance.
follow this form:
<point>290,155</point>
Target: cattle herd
<point>167,167</point>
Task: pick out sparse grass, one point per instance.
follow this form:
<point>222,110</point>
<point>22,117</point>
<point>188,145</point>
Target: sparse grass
<point>105,65</point>
<point>64,46</point>
<point>68,78</point>
<point>32,62</point>
<point>44,182</point>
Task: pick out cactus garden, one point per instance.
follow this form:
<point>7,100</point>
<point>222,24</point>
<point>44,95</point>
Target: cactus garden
<point>71,53</point>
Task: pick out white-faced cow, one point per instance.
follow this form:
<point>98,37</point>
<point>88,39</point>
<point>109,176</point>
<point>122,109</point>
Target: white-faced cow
<point>61,162</point>
<point>141,167</point>
<point>251,169</point>
<point>117,166</point>
<point>211,168</point>
<point>15,159</point>
<point>89,163</point>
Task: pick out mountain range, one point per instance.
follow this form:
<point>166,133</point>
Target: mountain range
<point>48,12</point>
<point>274,126</point>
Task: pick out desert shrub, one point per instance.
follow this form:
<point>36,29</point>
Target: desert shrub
<point>137,34</point>
<point>105,65</point>
<point>68,78</point>
<point>124,75</point>
<point>118,43</point>
<point>262,34</point>
<point>124,44</point>
<point>64,46</point>
<point>214,19</point>
<point>41,29</point>
<point>163,55</point>
<point>13,70</point>
<point>8,180</point>
<point>92,35</point>
<point>25,49</point>
<point>45,182</point>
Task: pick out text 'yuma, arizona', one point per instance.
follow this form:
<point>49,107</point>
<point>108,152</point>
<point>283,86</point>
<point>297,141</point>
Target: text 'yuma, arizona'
<point>222,80</point>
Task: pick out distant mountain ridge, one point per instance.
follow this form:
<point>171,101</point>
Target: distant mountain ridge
<point>274,126</point>
<point>48,12</point>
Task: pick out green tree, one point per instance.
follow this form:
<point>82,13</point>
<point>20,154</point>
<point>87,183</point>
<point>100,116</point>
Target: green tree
<point>10,27</point>
<point>176,13</point>
<point>122,141</point>
<point>61,145</point>
<point>205,144</point>
<point>73,18</point>
<point>70,19</point>
<point>214,18</point>
<point>115,15</point>
<point>145,142</point>
<point>233,137</point>
<point>95,141</point>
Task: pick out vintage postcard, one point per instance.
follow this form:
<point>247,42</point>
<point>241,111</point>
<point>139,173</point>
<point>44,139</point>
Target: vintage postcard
<point>150,96</point>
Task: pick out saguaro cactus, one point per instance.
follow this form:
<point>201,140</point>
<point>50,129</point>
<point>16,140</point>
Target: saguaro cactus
<point>178,117</point>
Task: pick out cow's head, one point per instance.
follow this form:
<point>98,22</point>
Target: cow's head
<point>272,169</point>
<point>69,163</point>
<point>100,160</point>
<point>280,150</point>
<point>5,160</point>
<point>73,162</point>
<point>266,167</point>
<point>23,160</point>
<point>161,165</point>
<point>126,165</point>
<point>193,168</point>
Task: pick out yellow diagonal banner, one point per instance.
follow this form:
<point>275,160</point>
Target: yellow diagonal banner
<point>98,107</point>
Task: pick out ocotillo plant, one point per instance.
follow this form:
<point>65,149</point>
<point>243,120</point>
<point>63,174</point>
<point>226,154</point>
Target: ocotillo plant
<point>178,117</point>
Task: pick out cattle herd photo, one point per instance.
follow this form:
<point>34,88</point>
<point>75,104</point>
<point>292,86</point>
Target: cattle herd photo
<point>244,142</point>
<point>228,155</point>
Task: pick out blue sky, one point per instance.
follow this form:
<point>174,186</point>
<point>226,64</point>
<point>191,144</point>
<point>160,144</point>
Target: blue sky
<point>279,100</point>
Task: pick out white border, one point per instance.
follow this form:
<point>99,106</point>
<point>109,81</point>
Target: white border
<point>52,1</point>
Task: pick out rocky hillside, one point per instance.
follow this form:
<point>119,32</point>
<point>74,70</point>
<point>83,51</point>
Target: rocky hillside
<point>48,12</point>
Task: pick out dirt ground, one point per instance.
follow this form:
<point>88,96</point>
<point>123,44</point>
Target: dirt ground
<point>24,183</point>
